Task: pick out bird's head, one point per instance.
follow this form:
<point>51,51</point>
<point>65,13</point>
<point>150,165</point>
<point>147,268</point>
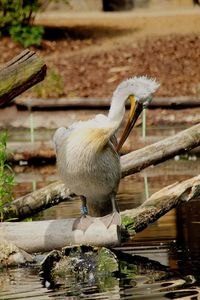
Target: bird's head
<point>139,91</point>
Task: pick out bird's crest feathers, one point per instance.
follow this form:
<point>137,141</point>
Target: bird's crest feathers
<point>141,87</point>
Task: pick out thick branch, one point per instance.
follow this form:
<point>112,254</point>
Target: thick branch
<point>42,236</point>
<point>19,74</point>
<point>161,151</point>
<point>36,201</point>
<point>160,203</point>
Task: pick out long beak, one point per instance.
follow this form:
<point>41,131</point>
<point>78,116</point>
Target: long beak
<point>135,111</point>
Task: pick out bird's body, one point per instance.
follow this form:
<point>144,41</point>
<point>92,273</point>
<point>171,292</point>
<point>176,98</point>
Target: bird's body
<point>88,162</point>
<point>87,159</point>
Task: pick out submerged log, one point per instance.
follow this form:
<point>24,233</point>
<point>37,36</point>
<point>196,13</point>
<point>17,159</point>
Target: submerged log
<point>47,235</point>
<point>19,74</point>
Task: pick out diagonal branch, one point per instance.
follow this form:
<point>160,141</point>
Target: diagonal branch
<point>161,151</point>
<point>160,203</point>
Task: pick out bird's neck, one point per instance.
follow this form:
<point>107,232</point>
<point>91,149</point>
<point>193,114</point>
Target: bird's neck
<point>117,109</point>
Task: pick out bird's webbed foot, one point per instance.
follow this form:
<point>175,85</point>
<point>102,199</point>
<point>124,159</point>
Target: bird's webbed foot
<point>84,209</point>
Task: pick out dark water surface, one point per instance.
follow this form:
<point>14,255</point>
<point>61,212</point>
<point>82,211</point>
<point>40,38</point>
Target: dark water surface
<point>165,258</point>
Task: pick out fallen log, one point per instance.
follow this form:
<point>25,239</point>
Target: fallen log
<point>47,235</point>
<point>161,151</point>
<point>160,203</point>
<point>130,163</point>
<point>19,74</point>
<point>42,236</point>
<point>63,103</point>
<point>34,202</point>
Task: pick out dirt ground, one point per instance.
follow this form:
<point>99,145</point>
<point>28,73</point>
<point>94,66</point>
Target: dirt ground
<point>91,60</point>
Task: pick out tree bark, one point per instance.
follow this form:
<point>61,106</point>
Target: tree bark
<point>34,202</point>
<point>160,203</point>
<point>42,236</point>
<point>55,234</point>
<point>19,74</point>
<point>161,151</point>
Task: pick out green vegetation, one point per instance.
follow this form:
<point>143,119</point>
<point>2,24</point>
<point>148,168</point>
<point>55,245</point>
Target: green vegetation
<point>16,20</point>
<point>51,87</point>
<point>129,224</point>
<point>6,175</point>
<point>27,35</point>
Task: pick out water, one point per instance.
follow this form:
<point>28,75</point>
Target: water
<point>165,259</point>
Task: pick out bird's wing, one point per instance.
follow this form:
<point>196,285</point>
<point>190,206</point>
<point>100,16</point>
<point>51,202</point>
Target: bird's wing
<point>100,121</point>
<point>62,133</point>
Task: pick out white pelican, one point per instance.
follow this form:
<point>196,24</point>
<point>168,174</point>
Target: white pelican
<point>87,155</point>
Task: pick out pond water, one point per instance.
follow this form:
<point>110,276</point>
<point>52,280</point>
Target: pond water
<point>165,258</point>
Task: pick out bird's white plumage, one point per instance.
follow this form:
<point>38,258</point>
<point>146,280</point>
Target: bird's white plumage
<point>100,121</point>
<point>87,165</point>
<point>140,87</point>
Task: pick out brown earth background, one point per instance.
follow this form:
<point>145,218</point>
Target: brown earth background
<point>93,51</point>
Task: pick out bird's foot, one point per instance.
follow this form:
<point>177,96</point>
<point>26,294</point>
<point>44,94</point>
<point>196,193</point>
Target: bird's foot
<point>84,210</point>
<point>82,223</point>
<point>112,219</point>
<point>85,221</point>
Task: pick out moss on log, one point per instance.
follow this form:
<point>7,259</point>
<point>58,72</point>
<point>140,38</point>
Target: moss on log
<point>19,74</point>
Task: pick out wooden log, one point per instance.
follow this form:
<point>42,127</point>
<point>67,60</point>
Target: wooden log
<point>160,203</point>
<point>34,202</point>
<point>19,74</point>
<point>158,102</point>
<point>161,151</point>
<point>42,236</point>
<point>47,235</point>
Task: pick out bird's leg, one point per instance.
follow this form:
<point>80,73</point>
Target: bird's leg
<point>115,218</point>
<point>114,203</point>
<point>84,210</point>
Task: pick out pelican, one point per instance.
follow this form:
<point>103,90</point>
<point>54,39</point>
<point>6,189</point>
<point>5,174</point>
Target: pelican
<point>88,153</point>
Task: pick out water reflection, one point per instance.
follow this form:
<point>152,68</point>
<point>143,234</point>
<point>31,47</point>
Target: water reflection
<point>139,279</point>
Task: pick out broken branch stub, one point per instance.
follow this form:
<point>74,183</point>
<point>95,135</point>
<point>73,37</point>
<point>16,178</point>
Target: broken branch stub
<point>19,74</point>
